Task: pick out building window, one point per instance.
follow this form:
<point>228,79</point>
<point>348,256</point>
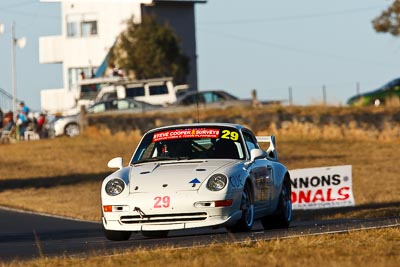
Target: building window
<point>81,25</point>
<point>72,29</point>
<point>88,28</point>
<point>78,74</point>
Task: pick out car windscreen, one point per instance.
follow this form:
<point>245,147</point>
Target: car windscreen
<point>211,142</point>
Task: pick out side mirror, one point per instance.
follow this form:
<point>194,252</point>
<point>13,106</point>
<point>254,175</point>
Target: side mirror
<point>257,153</point>
<point>116,163</point>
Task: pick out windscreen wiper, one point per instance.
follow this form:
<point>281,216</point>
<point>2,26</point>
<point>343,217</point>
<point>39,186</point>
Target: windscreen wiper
<point>160,159</point>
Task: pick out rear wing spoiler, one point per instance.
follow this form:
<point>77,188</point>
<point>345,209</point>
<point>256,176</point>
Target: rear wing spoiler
<point>272,154</point>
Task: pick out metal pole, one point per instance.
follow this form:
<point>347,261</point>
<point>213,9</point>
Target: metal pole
<point>324,94</point>
<point>13,72</point>
<point>290,96</point>
<point>358,88</point>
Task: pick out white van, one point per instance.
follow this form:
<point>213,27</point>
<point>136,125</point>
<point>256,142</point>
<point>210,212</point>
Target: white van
<point>159,91</point>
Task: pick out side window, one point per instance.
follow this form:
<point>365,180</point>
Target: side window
<point>98,108</point>
<point>210,97</point>
<point>158,90</point>
<point>251,143</point>
<point>107,96</point>
<point>193,99</point>
<point>134,91</point>
<point>123,104</point>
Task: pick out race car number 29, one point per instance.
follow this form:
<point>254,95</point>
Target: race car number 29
<point>162,202</point>
<point>226,134</point>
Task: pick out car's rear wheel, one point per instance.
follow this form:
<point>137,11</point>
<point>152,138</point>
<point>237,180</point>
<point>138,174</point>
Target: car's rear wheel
<point>72,130</point>
<point>247,207</point>
<point>283,214</point>
<point>117,235</point>
<point>155,234</point>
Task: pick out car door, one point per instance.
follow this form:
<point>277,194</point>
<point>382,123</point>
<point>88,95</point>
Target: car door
<point>261,173</point>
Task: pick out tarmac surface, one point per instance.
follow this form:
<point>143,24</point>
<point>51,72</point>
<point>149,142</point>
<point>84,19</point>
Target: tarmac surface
<point>29,235</point>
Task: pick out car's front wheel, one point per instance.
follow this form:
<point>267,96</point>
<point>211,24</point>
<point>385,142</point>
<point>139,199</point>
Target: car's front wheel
<point>247,207</point>
<point>283,214</point>
<point>117,235</point>
<point>72,130</point>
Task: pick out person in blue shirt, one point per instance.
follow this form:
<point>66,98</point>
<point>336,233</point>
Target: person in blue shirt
<point>24,108</point>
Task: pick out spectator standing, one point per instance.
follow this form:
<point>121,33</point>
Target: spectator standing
<point>24,108</point>
<point>22,119</point>
<point>40,129</point>
<point>8,122</point>
<point>22,123</point>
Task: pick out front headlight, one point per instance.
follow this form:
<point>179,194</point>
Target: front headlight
<point>115,187</point>
<point>217,182</point>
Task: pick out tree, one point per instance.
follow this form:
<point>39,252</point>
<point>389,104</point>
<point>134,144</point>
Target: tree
<point>389,20</point>
<point>150,50</point>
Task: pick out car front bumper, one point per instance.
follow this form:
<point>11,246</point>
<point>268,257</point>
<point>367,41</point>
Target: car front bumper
<point>188,212</point>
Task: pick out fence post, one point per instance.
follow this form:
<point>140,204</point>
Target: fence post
<point>83,119</point>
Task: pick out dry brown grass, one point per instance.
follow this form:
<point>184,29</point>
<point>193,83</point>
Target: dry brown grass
<point>63,177</point>
<point>57,176</point>
<point>361,248</point>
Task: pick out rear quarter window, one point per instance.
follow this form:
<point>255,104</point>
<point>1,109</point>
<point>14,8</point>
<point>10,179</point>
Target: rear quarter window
<point>134,91</point>
<point>158,90</point>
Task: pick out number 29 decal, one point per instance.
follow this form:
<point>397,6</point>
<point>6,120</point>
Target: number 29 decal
<point>226,134</point>
<point>162,202</point>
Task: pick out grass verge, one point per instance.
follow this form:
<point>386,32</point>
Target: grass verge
<point>57,176</point>
<point>358,248</point>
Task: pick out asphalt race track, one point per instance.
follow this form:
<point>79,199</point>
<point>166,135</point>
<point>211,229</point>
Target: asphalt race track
<point>28,235</point>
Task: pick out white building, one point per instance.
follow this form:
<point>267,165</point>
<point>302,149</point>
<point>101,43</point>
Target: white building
<point>89,30</point>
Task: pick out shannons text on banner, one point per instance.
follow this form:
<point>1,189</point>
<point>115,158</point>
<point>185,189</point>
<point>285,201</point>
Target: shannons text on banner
<point>322,187</point>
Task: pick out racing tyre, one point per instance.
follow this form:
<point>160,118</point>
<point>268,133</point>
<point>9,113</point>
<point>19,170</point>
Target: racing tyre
<point>283,214</point>
<point>155,234</point>
<point>247,207</point>
<point>72,130</point>
<point>117,235</point>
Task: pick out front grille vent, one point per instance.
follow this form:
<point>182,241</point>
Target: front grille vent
<point>164,218</point>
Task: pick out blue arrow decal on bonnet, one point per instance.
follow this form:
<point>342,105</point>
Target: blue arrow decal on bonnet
<point>194,181</point>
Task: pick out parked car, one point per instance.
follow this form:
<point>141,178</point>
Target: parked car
<point>127,105</point>
<point>158,91</point>
<point>196,175</point>
<point>214,98</point>
<point>70,125</point>
<point>209,97</point>
<point>381,96</point>
<point>64,125</point>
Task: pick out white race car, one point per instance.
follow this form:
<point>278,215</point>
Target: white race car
<point>196,175</point>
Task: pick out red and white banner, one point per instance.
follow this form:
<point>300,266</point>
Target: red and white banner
<point>323,187</point>
<point>186,133</point>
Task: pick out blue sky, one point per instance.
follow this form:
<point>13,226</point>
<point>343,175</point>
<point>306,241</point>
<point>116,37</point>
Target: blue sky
<point>241,45</point>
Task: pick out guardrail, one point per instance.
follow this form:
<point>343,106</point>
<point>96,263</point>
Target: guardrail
<point>6,100</point>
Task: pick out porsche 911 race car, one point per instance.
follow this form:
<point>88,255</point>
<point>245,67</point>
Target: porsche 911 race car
<point>196,175</point>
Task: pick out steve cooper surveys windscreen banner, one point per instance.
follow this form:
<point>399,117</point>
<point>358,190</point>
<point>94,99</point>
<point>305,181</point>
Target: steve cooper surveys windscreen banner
<point>323,187</point>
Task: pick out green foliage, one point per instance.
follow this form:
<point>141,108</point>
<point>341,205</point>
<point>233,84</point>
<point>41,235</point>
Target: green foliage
<point>389,20</point>
<point>150,50</point>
